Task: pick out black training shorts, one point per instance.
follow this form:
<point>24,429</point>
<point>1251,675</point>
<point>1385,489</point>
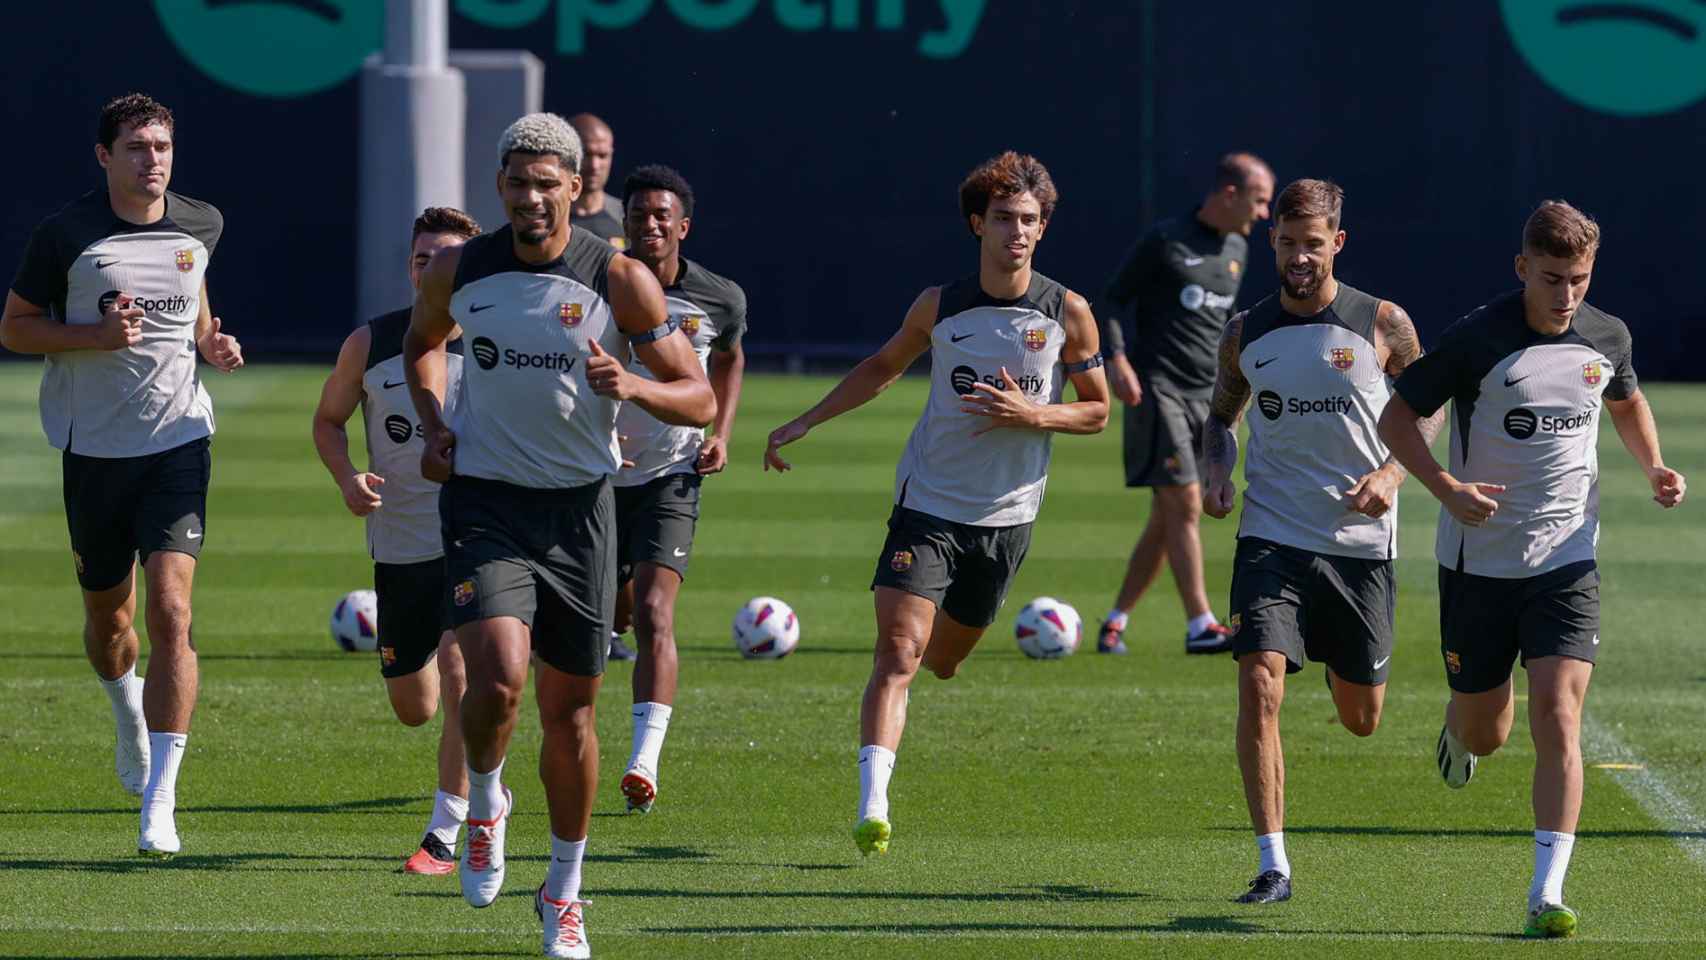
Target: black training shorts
<point>964,570</point>
<point>119,507</point>
<point>1485,623</point>
<point>654,524</point>
<point>1330,609</point>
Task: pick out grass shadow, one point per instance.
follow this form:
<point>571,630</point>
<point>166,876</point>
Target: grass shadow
<point>1046,893</point>
<point>377,805</point>
<point>1449,832</point>
<point>256,862</point>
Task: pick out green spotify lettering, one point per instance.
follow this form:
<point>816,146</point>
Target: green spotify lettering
<point>1633,58</point>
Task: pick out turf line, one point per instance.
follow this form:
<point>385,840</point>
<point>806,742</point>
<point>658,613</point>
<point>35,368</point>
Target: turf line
<point>1650,790</point>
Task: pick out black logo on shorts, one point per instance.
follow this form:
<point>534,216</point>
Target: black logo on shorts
<point>962,378</point>
<point>1520,423</point>
<point>485,353</point>
<point>1270,404</point>
<point>398,428</point>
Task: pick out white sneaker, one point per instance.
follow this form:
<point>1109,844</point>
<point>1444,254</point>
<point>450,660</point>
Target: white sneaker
<point>159,835</point>
<point>130,757</point>
<point>1456,763</point>
<point>482,864</point>
<point>565,928</point>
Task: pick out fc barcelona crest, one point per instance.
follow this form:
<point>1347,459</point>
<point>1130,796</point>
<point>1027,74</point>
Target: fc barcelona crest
<point>570,314</point>
<point>1591,373</point>
<point>690,324</point>
<point>901,561</point>
<point>186,260</point>
<point>1342,358</point>
<point>1036,338</point>
<point>1234,267</point>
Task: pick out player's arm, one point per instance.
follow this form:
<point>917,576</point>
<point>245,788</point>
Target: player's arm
<point>27,328</point>
<point>1121,293</point>
<point>1220,430</point>
<point>680,395</point>
<point>728,367</point>
<point>424,365</point>
<point>872,376</point>
<point>1082,356</point>
<point>1633,418</point>
<point>338,400</point>
<point>220,349</point>
<point>1431,380</point>
<point>1397,346</point>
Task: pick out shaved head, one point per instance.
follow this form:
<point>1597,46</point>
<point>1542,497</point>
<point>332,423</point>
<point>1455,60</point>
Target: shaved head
<point>599,148</point>
<point>590,126</point>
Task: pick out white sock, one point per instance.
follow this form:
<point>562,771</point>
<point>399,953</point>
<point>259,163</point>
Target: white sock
<point>1198,624</point>
<point>126,695</point>
<point>1272,848</point>
<point>651,723</point>
<point>485,793</point>
<point>563,877</point>
<point>876,765</point>
<point>1117,619</point>
<point>1551,859</point>
<point>165,752</point>
<point>448,812</point>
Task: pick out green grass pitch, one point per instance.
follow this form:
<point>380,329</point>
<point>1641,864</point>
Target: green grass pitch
<point>1082,808</point>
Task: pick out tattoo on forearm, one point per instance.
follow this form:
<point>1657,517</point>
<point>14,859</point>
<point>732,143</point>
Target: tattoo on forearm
<point>1231,390</point>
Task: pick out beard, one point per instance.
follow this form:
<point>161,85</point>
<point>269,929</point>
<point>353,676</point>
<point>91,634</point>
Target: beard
<point>1307,288</point>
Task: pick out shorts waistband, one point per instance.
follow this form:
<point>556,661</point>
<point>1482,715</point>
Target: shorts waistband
<point>539,495</point>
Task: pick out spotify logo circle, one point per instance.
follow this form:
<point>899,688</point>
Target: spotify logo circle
<point>274,48</point>
<point>1634,59</point>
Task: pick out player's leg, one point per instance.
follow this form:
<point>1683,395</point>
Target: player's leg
<point>622,622</point>
<point>655,590</point>
<point>495,653</point>
<point>1180,509</point>
<point>1269,583</point>
<point>168,695</point>
<point>1478,641</point>
<point>98,511</point>
<point>950,643</point>
<point>988,562</point>
<point>904,622</point>
<point>1353,606</point>
<point>1142,436</point>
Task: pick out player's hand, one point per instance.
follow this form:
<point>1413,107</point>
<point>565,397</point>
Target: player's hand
<point>1004,406</point>
<point>1124,381</point>
<point>361,493</point>
<point>1669,487</point>
<point>713,456</point>
<point>221,349</point>
<point>780,437</point>
<point>605,374</point>
<point>439,455</point>
<point>121,325</point>
<point>1472,503</point>
<point>1219,497</point>
<point>1375,493</point>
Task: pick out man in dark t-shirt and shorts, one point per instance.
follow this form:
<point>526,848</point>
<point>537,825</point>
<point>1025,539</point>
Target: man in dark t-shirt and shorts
<point>1183,278</point>
<point>1527,376</point>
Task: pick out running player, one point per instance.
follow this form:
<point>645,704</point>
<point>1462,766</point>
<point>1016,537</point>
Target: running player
<point>527,516</point>
<point>657,499</point>
<point>597,212</point>
<point>401,508</point>
<point>1003,343</point>
<point>1313,575</point>
<point>1519,519</point>
<point>111,290</point>
<point>1183,277</point>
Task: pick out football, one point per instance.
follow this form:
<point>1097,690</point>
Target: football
<point>1047,629</point>
<point>766,629</point>
<point>355,621</point>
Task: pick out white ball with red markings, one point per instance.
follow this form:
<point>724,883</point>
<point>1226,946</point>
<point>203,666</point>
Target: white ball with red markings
<point>1048,629</point>
<point>766,629</point>
<point>355,621</point>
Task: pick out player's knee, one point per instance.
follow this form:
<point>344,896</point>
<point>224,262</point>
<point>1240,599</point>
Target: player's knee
<point>654,616</point>
<point>943,669</point>
<point>168,620</point>
<point>1360,720</point>
<point>1558,724</point>
<point>898,658</point>
<point>1261,692</point>
<point>412,713</point>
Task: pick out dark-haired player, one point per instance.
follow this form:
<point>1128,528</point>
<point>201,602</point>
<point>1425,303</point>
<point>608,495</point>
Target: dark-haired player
<point>401,508</point>
<point>1181,280</point>
<point>1003,342</point>
<point>111,290</point>
<point>548,312</point>
<point>657,498</point>
<point>1313,577</point>
<point>1526,376</point>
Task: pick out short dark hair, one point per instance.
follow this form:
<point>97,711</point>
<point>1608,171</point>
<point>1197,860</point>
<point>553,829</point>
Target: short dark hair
<point>137,109</point>
<point>1306,199</point>
<point>1238,169</point>
<point>1557,229</point>
<point>656,176</point>
<point>444,220</point>
<point>1007,175</point>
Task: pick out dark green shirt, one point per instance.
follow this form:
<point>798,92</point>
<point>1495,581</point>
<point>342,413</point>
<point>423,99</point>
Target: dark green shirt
<point>1179,282</point>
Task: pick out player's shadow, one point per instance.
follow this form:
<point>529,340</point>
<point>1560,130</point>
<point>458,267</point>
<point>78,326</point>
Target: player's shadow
<point>214,862</point>
<point>1044,893</point>
<point>1479,833</point>
<point>1177,925</point>
<point>286,655</point>
<point>380,805</point>
<point>248,954</point>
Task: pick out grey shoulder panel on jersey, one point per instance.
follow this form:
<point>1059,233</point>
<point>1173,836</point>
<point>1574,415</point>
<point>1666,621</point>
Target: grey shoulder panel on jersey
<point>197,218</point>
<point>1610,336</point>
<point>1356,311</point>
<point>588,258</point>
<point>1043,295</point>
<point>1048,297</point>
<point>1262,317</point>
<point>721,298</point>
<point>386,337</point>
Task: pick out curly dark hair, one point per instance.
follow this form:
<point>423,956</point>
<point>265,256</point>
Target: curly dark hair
<point>656,176</point>
<point>137,109</point>
<point>1007,175</point>
<point>445,220</point>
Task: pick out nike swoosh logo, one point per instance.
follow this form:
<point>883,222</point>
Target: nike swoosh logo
<point>1262,363</point>
<point>476,309</point>
<point>1543,843</point>
<point>1382,661</point>
<point>389,385</point>
<point>193,535</point>
<point>682,553</point>
<point>103,264</point>
<point>963,336</point>
<point>1511,383</point>
<point>1596,639</point>
<point>1191,261</point>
